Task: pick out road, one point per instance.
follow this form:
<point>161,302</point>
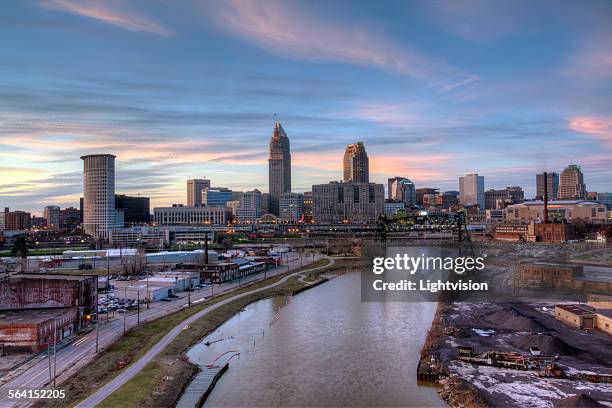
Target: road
<point>35,374</point>
<point>135,368</point>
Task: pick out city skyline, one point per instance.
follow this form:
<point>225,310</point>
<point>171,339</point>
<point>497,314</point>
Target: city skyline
<point>433,100</point>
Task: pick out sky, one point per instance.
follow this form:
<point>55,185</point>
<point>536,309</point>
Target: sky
<point>187,89</point>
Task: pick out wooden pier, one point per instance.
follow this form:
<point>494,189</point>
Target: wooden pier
<point>201,386</point>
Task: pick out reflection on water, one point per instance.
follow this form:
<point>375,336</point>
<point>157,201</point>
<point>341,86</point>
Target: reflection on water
<point>323,347</point>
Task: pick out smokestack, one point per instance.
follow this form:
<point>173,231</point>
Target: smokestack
<point>545,197</point>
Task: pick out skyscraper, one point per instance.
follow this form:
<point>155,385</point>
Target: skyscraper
<point>194,191</point>
<point>98,194</point>
<point>571,184</point>
<point>279,167</point>
<point>402,189</point>
<point>471,190</point>
<point>552,179</point>
<point>52,215</point>
<point>356,164</point>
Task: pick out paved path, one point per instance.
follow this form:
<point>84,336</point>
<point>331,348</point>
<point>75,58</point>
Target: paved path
<point>79,353</point>
<point>136,367</point>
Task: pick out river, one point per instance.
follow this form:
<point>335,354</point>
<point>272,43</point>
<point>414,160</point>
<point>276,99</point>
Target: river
<point>323,347</point>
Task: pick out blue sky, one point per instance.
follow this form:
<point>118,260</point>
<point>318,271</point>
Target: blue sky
<point>189,89</point>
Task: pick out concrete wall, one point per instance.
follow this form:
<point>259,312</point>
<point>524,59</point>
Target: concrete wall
<point>36,293</point>
<point>604,323</point>
<point>575,320</point>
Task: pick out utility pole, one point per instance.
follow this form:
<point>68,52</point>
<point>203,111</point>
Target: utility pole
<point>98,330</point>
<point>124,309</point>
<point>49,354</point>
<point>138,306</point>
<point>147,290</point>
<point>54,350</point>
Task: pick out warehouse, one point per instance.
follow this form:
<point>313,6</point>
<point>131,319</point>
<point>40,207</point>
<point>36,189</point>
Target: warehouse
<point>580,316</point>
<point>33,329</point>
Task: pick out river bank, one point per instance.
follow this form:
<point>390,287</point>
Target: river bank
<point>515,329</point>
<point>161,382</point>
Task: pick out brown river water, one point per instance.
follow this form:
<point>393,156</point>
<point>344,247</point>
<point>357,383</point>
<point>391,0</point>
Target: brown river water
<point>322,347</point>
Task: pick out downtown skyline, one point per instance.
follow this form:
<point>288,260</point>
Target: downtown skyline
<point>435,91</point>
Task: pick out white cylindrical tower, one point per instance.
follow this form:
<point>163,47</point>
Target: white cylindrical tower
<point>98,194</point>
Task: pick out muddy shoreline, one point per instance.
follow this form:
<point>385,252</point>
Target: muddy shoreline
<point>513,328</point>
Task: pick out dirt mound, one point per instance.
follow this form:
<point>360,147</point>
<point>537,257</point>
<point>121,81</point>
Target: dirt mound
<point>578,401</point>
<point>512,319</point>
<point>548,345</point>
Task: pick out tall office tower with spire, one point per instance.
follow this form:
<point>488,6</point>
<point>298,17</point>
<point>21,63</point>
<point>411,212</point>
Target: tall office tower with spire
<point>571,184</point>
<point>98,194</point>
<point>356,163</point>
<point>279,167</point>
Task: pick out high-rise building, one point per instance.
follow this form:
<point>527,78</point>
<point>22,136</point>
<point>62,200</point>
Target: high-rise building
<point>249,207</point>
<point>265,203</point>
<point>194,191</point>
<point>422,192</point>
<point>291,207</point>
<point>307,207</point>
<point>98,194</point>
<point>17,220</point>
<point>356,164</point>
<point>279,167</point>
<point>52,215</point>
<point>450,198</point>
<point>3,219</point>
<point>471,190</point>
<point>552,181</point>
<point>500,199</point>
<point>70,218</point>
<point>136,210</point>
<point>218,196</point>
<point>403,190</point>
<point>606,199</point>
<point>347,202</point>
<point>571,184</point>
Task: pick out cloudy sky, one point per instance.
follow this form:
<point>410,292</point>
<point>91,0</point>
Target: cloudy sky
<point>180,89</point>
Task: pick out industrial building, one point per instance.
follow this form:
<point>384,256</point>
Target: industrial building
<point>580,316</point>
<point>588,212</point>
<point>582,277</point>
<point>40,291</point>
<point>585,317</point>
<point>604,320</point>
<point>32,330</point>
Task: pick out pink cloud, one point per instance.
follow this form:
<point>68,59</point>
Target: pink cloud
<point>112,12</point>
<point>595,127</point>
<point>277,27</point>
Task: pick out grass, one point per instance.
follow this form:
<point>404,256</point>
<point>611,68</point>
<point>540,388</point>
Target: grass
<point>341,264</point>
<point>163,380</point>
<point>138,340</point>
